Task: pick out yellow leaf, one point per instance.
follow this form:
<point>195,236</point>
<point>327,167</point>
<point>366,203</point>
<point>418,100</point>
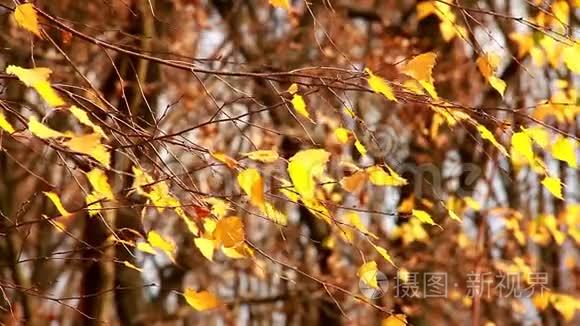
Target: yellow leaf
<point>571,55</point>
<point>229,231</point>
<point>525,43</point>
<point>141,179</point>
<point>541,300</point>
<point>266,156</point>
<point>57,203</point>
<point>360,147</point>
<point>304,166</point>
<point>564,149</point>
<point>230,162</point>
<point>561,11</point>
<point>156,240</point>
<point>145,247</point>
<point>539,135</point>
<point>395,320</point>
<point>472,203</point>
<point>379,177</point>
<point>25,16</point>
<point>237,252</point>
<point>93,201</point>
<point>90,145</point>
<point>383,252</point>
<point>379,85</point>
<point>423,216</point>
<point>565,305</point>
<point>454,216</point>
<point>522,145</point>
<point>83,118</point>
<point>298,102</point>
<point>284,4</point>
<point>342,135</point>
<point>354,182</point>
<point>129,265</point>
<point>251,182</point>
<point>488,64</point>
<point>421,69</point>
<point>205,246</point>
<point>275,215</point>
<point>41,131</point>
<point>100,183</point>
<point>354,220</point>
<point>554,186</point>
<point>486,134</point>
<point>407,205</point>
<point>37,78</point>
<point>498,84</point>
<point>4,124</point>
<point>202,300</point>
<point>368,274</point>
<point>219,208</point>
<point>288,190</point>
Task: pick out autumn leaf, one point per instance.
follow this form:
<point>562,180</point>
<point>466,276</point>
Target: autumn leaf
<point>304,166</point>
<point>284,4</point>
<point>230,162</point>
<point>205,246</point>
<point>42,131</point>
<point>423,216</point>
<point>564,149</point>
<point>395,320</point>
<point>156,240</point>
<point>251,182</point>
<point>488,64</point>
<point>385,254</point>
<point>202,300</point>
<point>486,134</point>
<point>554,186</point>
<point>421,69</point>
<point>521,144</point>
<point>26,17</point>
<point>55,199</point>
<point>265,156</point>
<point>379,85</point>
<point>354,182</point>
<point>565,305</point>
<point>83,118</point>
<point>368,274</point>
<point>99,181</point>
<point>37,78</point>
<point>298,102</point>
<point>342,135</point>
<point>145,247</point>
<point>229,231</point>
<point>379,177</point>
<point>5,125</point>
<point>90,145</point>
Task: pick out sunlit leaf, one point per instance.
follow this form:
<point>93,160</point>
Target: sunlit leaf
<point>571,55</point>
<point>229,231</point>
<point>564,149</point>
<point>132,266</point>
<point>251,182</point>
<point>42,131</point>
<point>91,145</point>
<point>156,240</point>
<point>521,144</point>
<point>145,247</point>
<point>368,274</point>
<point>486,134</point>
<point>342,135</point>
<point>565,305</point>
<point>304,166</point>
<point>488,64</point>
<point>205,246</point>
<point>230,162</point>
<point>99,181</point>
<point>554,186</point>
<point>354,182</point>
<point>284,4</point>
<point>379,85</point>
<point>423,216</point>
<point>275,215</point>
<point>385,254</point>
<point>219,207</point>
<point>202,300</point>
<point>37,78</point>
<point>380,177</point>
<point>83,118</point>
<point>395,320</point>
<point>421,69</point>
<point>266,156</point>
<point>26,17</point>
<point>57,203</point>
<point>5,125</point>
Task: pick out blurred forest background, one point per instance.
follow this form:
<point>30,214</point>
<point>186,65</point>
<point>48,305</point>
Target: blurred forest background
<point>180,91</point>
